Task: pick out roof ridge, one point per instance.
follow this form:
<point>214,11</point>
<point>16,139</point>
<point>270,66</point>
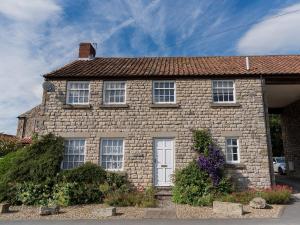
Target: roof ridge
<point>192,57</point>
<point>29,111</point>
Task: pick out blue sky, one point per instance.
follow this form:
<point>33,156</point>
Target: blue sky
<point>37,36</point>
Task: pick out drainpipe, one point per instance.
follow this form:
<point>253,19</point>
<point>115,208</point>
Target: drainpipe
<point>267,128</point>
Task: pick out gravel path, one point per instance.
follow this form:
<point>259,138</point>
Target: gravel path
<point>190,212</point>
<point>71,212</point>
<point>88,212</point>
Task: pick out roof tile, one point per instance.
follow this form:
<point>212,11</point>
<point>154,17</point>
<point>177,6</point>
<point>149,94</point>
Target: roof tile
<point>179,66</point>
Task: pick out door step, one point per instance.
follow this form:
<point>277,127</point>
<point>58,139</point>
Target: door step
<point>163,192</point>
<point>164,197</point>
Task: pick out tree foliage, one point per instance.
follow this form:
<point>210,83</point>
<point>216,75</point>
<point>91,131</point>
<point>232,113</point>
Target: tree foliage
<point>202,140</point>
<point>276,135</point>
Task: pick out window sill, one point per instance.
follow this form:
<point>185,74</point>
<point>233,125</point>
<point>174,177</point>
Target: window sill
<point>108,106</point>
<point>69,106</point>
<point>216,105</point>
<point>164,105</point>
<point>238,166</point>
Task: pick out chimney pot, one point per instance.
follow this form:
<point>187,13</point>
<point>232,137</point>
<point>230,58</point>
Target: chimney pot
<point>86,51</point>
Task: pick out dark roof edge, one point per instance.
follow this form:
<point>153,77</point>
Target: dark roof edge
<point>25,114</point>
<point>200,76</point>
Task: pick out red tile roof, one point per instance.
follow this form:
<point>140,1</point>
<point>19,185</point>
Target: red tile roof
<point>26,140</point>
<point>4,136</point>
<point>179,66</point>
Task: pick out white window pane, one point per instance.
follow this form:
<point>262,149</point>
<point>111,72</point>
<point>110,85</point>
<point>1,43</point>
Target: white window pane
<point>77,92</point>
<point>114,92</point>
<point>229,157</point>
<point>74,153</point>
<point>164,91</point>
<point>229,150</point>
<point>223,91</point>
<point>234,141</point>
<point>111,153</point>
<point>232,151</point>
<point>235,157</point>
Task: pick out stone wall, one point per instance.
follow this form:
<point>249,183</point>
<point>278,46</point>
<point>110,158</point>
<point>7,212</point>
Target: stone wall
<point>291,134</point>
<point>30,122</point>
<point>140,123</point>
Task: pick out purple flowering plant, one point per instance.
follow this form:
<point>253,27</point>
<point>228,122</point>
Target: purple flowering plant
<point>212,163</point>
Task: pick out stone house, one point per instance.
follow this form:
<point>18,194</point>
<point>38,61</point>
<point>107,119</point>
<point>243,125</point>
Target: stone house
<point>138,115</point>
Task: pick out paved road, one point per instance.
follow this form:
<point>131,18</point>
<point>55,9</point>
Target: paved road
<point>291,216</point>
<point>293,182</point>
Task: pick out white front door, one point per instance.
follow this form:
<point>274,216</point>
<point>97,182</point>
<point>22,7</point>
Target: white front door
<point>163,161</point>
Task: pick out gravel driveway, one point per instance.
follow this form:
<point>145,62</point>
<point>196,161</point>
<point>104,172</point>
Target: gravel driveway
<point>89,212</point>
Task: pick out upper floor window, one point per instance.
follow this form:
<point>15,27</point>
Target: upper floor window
<point>114,92</point>
<point>232,150</point>
<point>112,153</point>
<point>164,92</point>
<point>223,91</point>
<point>78,92</point>
<point>74,153</point>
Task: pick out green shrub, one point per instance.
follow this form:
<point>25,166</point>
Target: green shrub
<point>8,162</point>
<point>29,193</point>
<point>224,186</point>
<point>118,191</point>
<point>191,184</point>
<point>40,161</point>
<point>8,145</point>
<point>116,180</point>
<point>86,173</point>
<point>72,193</point>
<point>275,195</point>
<point>202,140</point>
<point>239,197</point>
<point>148,199</point>
<point>62,193</point>
<point>123,198</point>
<point>27,168</point>
<point>7,192</point>
<point>194,187</point>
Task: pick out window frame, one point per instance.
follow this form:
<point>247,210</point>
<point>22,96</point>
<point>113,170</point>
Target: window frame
<point>153,92</point>
<point>84,151</point>
<point>223,102</point>
<point>104,93</point>
<point>68,92</point>
<point>238,150</point>
<point>123,152</point>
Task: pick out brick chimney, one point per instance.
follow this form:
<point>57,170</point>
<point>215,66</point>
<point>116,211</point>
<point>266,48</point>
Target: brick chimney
<point>86,51</point>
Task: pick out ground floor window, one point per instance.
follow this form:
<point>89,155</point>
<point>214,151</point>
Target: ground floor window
<point>232,150</point>
<point>112,153</point>
<point>74,153</point>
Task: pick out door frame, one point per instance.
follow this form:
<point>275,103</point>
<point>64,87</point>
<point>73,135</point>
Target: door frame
<point>153,158</point>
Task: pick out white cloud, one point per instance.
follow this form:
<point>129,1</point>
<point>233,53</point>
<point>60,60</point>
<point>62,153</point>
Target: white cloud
<point>21,27</point>
<point>29,10</point>
<point>35,38</point>
<point>274,35</point>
